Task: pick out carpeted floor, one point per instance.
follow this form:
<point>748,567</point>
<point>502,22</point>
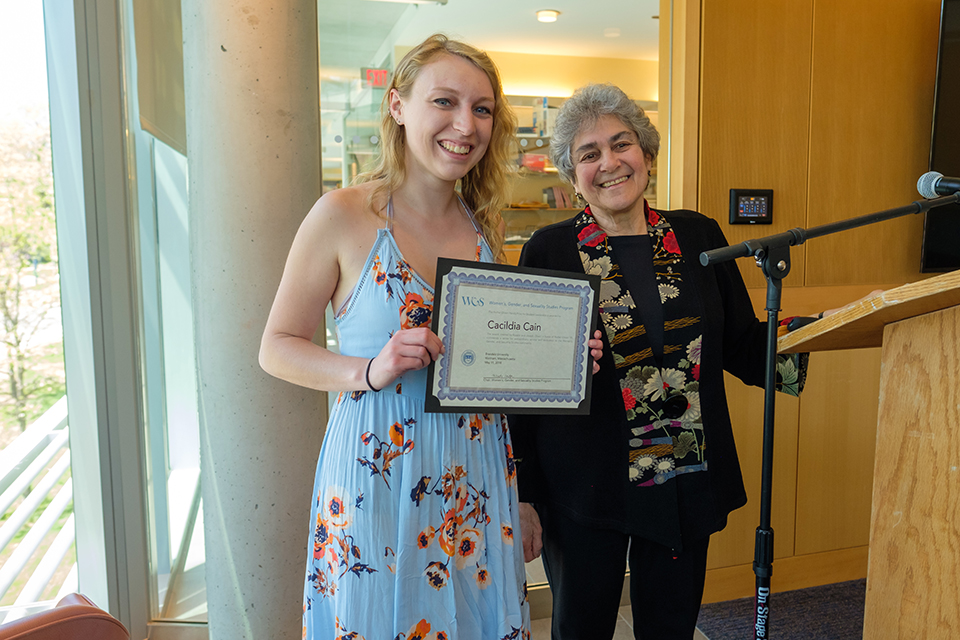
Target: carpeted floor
<point>830,612</point>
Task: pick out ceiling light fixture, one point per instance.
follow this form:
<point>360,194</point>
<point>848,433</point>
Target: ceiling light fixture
<point>547,15</point>
<point>612,32</point>
<point>412,1</point>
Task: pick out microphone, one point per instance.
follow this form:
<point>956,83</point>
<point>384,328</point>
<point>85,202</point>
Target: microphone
<point>933,184</point>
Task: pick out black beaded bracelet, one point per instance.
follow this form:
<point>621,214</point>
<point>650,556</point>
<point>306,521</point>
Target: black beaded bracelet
<point>367,376</point>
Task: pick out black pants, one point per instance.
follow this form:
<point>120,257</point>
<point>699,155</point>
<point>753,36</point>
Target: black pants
<point>585,568</point>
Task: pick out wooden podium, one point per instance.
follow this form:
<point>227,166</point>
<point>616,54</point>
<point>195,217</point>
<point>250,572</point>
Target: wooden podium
<point>913,575</point>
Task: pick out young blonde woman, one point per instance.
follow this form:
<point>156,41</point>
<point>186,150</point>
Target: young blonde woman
<point>414,515</point>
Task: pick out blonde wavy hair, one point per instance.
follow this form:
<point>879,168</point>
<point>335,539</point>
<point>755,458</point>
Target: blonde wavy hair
<point>485,186</point>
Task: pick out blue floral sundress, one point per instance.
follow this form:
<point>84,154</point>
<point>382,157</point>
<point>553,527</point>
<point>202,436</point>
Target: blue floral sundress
<point>415,522</point>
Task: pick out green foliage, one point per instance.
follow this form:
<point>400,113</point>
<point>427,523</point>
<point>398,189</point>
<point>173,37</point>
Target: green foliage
<point>45,388</point>
<point>29,284</point>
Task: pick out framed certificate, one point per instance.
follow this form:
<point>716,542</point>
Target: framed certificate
<point>515,339</point>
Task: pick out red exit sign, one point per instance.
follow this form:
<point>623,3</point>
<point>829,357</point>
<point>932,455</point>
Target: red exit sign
<point>376,78</point>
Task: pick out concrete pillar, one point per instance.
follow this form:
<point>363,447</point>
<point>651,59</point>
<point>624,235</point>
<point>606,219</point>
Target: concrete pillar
<point>253,147</point>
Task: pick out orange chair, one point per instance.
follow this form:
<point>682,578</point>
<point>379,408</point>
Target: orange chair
<point>74,618</point>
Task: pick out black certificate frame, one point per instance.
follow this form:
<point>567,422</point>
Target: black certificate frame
<point>510,276</point>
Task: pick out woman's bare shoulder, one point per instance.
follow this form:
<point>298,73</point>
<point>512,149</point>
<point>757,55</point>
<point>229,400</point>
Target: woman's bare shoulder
<point>342,228</point>
<point>344,209</point>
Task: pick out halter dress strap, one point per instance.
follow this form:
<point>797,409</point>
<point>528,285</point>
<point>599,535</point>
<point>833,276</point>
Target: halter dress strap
<point>388,223</point>
<point>469,212</point>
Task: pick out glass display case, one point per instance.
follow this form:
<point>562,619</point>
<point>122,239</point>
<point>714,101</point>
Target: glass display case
<point>521,223</point>
<point>538,195</point>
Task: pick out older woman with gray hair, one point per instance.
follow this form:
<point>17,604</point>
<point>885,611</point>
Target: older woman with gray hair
<point>652,471</point>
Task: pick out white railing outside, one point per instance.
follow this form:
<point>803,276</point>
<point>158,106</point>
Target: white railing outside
<point>23,463</point>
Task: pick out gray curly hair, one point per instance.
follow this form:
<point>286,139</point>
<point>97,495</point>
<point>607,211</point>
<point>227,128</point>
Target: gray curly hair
<point>587,105</point>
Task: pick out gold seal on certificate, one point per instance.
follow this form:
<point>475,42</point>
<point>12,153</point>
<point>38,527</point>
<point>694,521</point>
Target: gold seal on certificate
<point>515,339</point>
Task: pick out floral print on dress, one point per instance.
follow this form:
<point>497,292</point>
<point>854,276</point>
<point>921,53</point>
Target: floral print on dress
<point>437,471</point>
<point>460,535</point>
<point>473,424</point>
<point>343,634</point>
<point>415,312</point>
<point>335,553</point>
<point>510,472</point>
<point>385,452</point>
<point>422,631</point>
<point>401,275</point>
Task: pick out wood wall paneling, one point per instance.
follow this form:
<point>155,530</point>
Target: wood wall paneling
<point>665,102</point>
<point>836,449</point>
<point>874,69</point>
<point>795,572</point>
<point>679,103</point>
<point>734,545</point>
<point>828,103</point>
<point>755,97</point>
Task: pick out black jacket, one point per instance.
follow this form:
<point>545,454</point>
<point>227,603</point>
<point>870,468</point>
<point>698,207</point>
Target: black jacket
<point>579,464</point>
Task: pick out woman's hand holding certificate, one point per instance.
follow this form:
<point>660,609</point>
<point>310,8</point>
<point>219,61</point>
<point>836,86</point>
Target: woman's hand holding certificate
<point>515,340</point>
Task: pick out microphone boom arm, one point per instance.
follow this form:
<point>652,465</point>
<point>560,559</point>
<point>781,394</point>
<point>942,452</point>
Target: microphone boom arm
<point>760,246</point>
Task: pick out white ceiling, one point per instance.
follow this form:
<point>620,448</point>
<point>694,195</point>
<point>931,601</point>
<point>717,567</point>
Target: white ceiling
<point>353,31</point>
<point>511,25</point>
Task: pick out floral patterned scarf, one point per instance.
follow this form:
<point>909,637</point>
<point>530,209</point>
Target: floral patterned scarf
<point>662,400</point>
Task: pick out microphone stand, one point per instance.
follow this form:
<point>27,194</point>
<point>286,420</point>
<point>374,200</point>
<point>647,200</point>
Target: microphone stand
<point>772,255</point>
